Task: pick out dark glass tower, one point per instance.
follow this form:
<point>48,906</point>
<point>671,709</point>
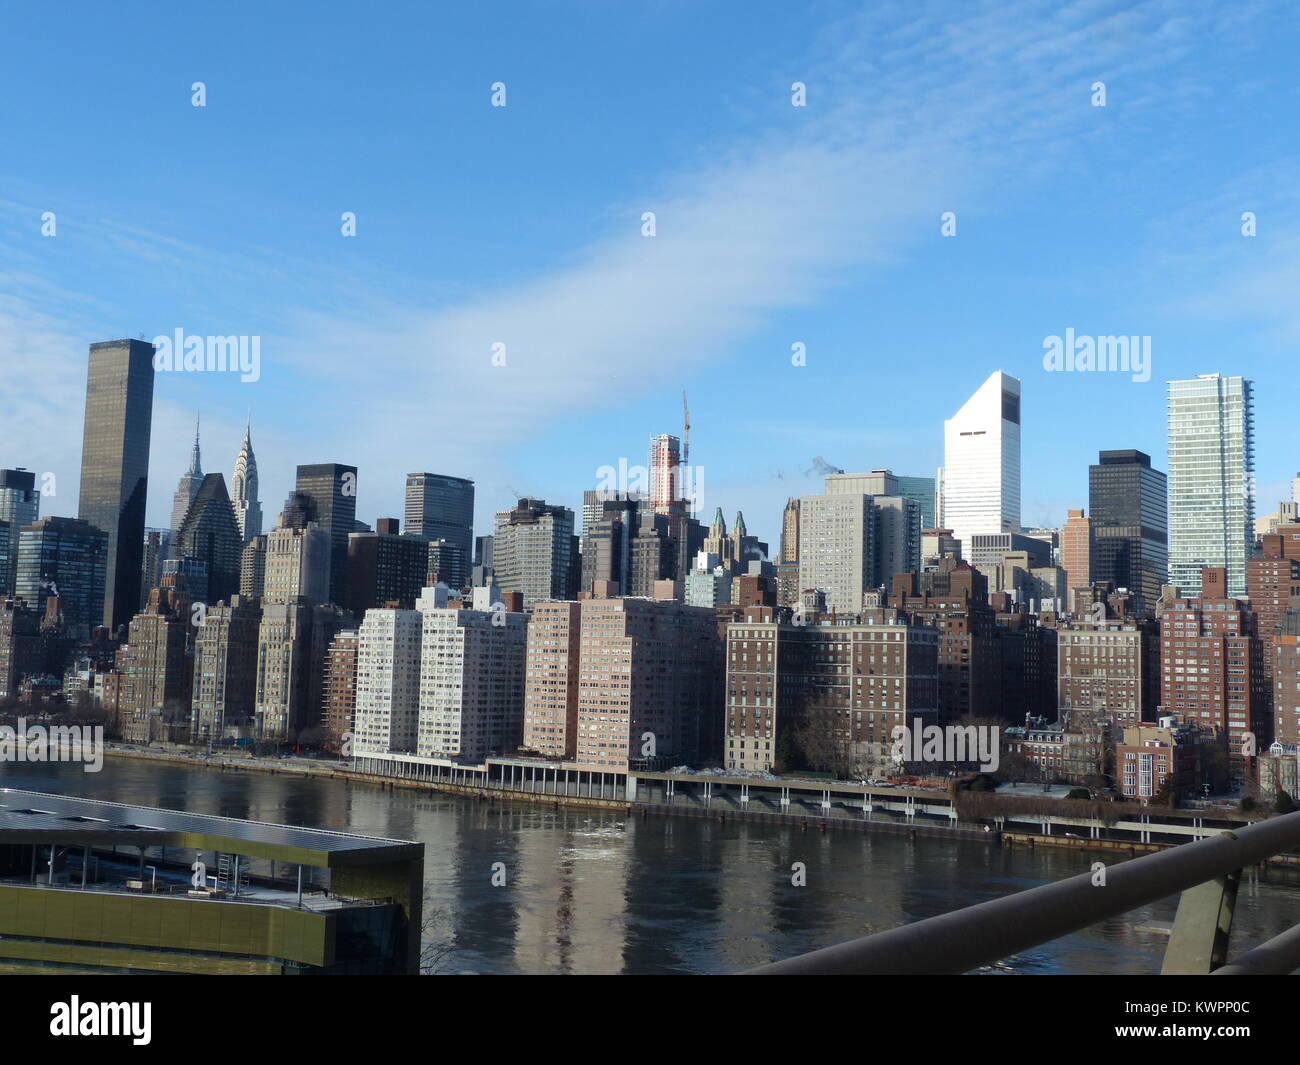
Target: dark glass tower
<point>115,465</point>
<point>19,505</point>
<point>1128,503</point>
<point>442,508</point>
<point>210,534</point>
<point>332,490</point>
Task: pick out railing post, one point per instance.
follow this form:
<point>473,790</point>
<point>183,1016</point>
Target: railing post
<point>1199,942</point>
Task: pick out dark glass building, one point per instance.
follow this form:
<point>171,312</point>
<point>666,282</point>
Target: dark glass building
<point>331,489</point>
<point>442,508</point>
<point>115,465</point>
<point>20,505</point>
<point>385,567</point>
<point>68,558</point>
<point>1129,506</point>
<point>210,534</point>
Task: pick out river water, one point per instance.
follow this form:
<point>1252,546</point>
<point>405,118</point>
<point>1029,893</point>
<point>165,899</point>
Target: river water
<point>591,891</point>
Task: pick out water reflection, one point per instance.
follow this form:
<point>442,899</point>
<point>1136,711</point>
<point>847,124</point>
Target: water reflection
<point>602,892</point>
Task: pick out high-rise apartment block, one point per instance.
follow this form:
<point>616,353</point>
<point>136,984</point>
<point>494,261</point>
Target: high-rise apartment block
<point>666,489</point>
<point>388,682</point>
<point>619,683</point>
<point>535,552</point>
<point>296,565</point>
<point>115,465</point>
<point>224,698</point>
<point>1211,480</point>
<point>837,548</point>
<point>1285,695</point>
<point>341,690</point>
<point>551,684</point>
<point>291,643</point>
<point>471,702</point>
<point>158,678</point>
<point>252,568</point>
<point>826,697</point>
<point>1108,671</point>
<point>20,644</point>
<point>1211,667</point>
<point>953,597</point>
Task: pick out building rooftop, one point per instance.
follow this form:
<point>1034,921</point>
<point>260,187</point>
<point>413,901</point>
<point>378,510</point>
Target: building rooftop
<point>78,821</point>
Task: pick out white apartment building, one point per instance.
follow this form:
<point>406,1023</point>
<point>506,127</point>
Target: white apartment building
<point>388,682</point>
<point>471,689</point>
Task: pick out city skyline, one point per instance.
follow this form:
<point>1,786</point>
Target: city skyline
<point>651,489</point>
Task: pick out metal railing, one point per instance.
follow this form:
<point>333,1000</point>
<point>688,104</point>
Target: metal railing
<point>1205,872</point>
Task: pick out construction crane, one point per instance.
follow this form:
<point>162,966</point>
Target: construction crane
<point>686,431</point>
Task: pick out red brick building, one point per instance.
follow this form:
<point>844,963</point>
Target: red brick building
<point>1212,671</point>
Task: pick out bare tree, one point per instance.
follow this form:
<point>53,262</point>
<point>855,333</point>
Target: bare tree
<point>436,947</point>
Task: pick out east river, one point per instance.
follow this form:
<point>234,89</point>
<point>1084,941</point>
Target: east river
<point>591,891</point>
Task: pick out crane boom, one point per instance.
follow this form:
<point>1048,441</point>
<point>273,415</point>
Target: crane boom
<point>686,431</point>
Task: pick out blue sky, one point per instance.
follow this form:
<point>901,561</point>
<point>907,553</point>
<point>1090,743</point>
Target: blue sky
<point>522,225</point>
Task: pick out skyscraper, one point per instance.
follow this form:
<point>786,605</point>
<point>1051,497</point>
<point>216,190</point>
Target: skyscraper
<point>243,489</point>
<point>665,474</point>
<point>471,702</point>
<point>790,531</point>
<point>439,507</point>
<point>225,671</point>
<point>209,534</point>
<point>922,489</point>
<point>115,464</point>
<point>188,487</point>
<point>1077,549</point>
<point>387,567</point>
<point>332,489</point>
<point>387,709</point>
<point>837,547</point>
<point>1128,501</point>
<point>534,551</point>
<point>645,666</point>
<point>297,565</point>
<point>67,558</point>
<point>981,454</point>
<point>1211,480</point>
<point>20,505</point>
<point>898,522</point>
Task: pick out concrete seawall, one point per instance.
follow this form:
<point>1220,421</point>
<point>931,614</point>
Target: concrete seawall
<point>913,828</point>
